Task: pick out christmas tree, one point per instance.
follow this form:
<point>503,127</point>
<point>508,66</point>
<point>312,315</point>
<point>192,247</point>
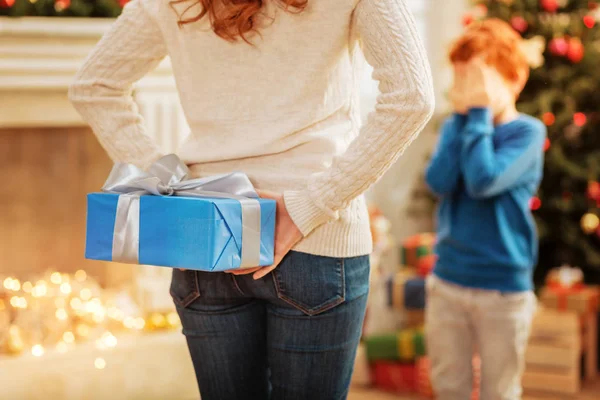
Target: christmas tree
<point>62,8</point>
<point>562,40</point>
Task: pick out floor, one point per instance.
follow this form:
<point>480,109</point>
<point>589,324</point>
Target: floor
<point>590,392</point>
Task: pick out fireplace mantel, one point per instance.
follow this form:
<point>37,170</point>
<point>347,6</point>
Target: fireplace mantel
<point>38,59</point>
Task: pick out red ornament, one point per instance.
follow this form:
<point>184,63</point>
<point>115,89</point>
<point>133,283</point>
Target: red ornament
<point>576,50</point>
<point>589,21</point>
<point>546,144</point>
<point>519,24</point>
<point>123,2</point>
<point>558,46</point>
<point>593,190</point>
<point>548,118</point>
<point>579,119</point>
<point>6,3</point>
<point>549,5</point>
<point>467,19</point>
<point>61,5</point>
<point>535,203</point>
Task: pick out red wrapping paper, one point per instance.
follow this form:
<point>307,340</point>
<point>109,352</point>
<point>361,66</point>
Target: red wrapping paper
<point>394,377</point>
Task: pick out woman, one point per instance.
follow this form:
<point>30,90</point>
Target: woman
<point>269,87</point>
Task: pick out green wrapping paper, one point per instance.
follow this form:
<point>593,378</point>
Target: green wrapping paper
<point>406,345</point>
<point>416,247</point>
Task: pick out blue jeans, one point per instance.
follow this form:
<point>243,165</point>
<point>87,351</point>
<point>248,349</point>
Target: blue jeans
<point>289,336</point>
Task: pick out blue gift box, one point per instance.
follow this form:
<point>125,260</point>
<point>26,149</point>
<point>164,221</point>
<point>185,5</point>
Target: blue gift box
<point>184,232</point>
<point>414,294</point>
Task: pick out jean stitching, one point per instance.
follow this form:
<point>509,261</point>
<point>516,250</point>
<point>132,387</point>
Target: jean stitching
<point>194,294</point>
<point>237,286</point>
<point>329,304</point>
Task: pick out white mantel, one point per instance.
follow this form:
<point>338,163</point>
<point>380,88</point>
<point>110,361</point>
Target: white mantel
<point>38,59</point>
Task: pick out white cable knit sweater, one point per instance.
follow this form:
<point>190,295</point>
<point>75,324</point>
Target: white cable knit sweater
<point>285,110</point>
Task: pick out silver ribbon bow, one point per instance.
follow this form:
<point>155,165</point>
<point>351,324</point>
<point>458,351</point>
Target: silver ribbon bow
<point>168,177</point>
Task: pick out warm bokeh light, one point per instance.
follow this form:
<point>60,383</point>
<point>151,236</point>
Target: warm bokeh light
<point>38,350</point>
<point>61,314</point>
<point>80,275</point>
<point>68,337</point>
<point>56,278</point>
<point>27,287</point>
<point>85,294</point>
<point>99,363</point>
<point>65,288</point>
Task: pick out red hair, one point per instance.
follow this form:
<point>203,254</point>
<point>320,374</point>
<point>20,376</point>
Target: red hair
<point>497,43</point>
<point>234,19</point>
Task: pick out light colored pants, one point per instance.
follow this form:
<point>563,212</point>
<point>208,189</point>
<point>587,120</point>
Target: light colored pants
<point>461,321</point>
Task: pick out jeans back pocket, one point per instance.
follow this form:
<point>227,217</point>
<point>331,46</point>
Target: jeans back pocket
<point>309,283</point>
<point>185,288</point>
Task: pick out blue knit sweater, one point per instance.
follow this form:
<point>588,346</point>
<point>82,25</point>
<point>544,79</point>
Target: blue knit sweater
<point>485,176</point>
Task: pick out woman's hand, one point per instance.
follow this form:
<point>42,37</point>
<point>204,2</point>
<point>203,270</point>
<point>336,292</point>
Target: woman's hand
<point>287,235</point>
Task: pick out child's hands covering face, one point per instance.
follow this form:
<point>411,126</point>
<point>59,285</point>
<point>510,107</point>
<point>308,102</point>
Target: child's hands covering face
<point>478,85</point>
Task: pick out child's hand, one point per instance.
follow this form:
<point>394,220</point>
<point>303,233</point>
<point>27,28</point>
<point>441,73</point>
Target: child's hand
<point>485,87</point>
<point>457,92</point>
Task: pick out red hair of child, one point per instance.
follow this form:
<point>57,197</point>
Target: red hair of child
<point>497,43</point>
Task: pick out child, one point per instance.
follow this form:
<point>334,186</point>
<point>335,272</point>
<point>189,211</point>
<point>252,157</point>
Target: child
<point>486,168</point>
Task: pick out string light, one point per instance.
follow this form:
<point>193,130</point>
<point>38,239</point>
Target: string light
<point>40,289</point>
<point>62,347</point>
<point>173,319</point>
<point>85,294</point>
<point>109,339</point>
<point>61,314</point>
<point>56,278</point>
<point>80,275</point>
<point>68,337</point>
<point>27,287</point>
<point>38,350</point>
<point>82,330</point>
<point>65,288</point>
<point>76,303</point>
<point>99,363</point>
<point>139,323</point>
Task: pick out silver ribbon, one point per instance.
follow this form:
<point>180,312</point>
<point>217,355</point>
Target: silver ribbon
<point>168,177</point>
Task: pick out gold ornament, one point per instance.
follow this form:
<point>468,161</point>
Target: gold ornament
<point>589,223</point>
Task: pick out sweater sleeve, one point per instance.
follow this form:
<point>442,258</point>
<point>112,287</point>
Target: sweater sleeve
<point>392,46</point>
<point>102,89</point>
<point>443,172</point>
<point>490,169</point>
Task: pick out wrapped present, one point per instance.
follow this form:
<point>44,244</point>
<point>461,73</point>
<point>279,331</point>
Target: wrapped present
<point>405,345</point>
<point>406,291</point>
<point>413,318</point>
<point>394,377</point>
<point>425,265</point>
<point>414,294</point>
<point>162,218</point>
<point>579,298</point>
<point>416,247</point>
